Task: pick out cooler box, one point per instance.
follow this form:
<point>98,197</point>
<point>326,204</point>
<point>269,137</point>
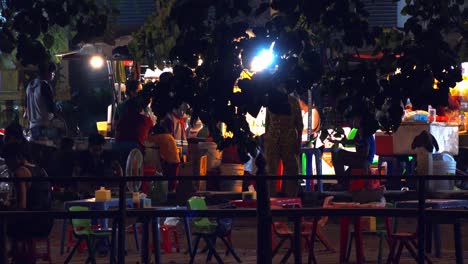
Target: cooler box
<point>445,134</point>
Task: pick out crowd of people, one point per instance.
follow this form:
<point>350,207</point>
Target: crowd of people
<point>135,125</point>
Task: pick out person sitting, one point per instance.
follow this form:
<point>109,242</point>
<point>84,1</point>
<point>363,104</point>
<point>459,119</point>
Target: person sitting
<point>30,196</point>
<point>170,158</point>
<point>365,149</point>
<point>62,161</point>
<point>8,115</point>
<point>95,162</point>
<point>14,134</point>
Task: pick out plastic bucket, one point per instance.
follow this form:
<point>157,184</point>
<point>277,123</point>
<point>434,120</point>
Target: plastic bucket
<point>442,167</point>
<point>102,128</point>
<point>213,154</point>
<point>229,169</point>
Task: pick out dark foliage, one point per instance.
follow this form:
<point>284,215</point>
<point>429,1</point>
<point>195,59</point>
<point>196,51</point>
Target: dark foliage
<point>317,43</point>
<point>27,23</point>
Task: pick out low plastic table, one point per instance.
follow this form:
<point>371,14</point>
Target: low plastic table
<point>432,227</point>
<point>279,202</point>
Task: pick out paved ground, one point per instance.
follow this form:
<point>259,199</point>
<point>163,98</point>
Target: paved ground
<point>244,239</point>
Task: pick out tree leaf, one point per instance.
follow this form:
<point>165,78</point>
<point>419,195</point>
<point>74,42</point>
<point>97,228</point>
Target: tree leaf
<point>262,9</point>
<point>48,41</point>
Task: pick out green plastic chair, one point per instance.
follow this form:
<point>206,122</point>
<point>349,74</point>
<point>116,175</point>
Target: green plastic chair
<point>204,228</point>
<point>351,136</point>
<point>83,232</point>
<point>380,232</point>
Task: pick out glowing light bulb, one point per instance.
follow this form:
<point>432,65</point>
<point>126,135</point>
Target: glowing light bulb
<point>263,60</point>
<point>96,62</point>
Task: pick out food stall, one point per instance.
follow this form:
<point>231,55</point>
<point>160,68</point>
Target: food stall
<point>460,93</point>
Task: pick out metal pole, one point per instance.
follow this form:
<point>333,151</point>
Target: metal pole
<point>421,217</point>
<point>264,221</point>
<point>157,239</point>
<point>121,224</point>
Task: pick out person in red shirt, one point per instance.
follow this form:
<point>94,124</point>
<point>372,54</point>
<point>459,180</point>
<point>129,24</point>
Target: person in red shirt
<point>134,126</point>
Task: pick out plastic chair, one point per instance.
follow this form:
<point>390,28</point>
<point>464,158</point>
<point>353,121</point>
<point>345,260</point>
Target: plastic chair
<point>351,136</point>
<point>205,229</point>
<point>71,241</point>
<point>83,232</point>
<point>283,232</point>
<point>380,231</point>
<point>167,245</point>
<point>398,240</point>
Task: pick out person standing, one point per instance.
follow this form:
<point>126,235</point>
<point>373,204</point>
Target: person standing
<point>132,88</point>
<point>132,129</point>
<point>40,105</point>
<point>283,131</point>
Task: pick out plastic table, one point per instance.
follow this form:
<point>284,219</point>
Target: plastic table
<point>279,202</point>
<point>275,202</point>
<point>92,204</point>
<point>433,228</point>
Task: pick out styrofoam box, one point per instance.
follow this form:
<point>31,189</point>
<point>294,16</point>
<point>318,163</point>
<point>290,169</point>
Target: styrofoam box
<point>445,134</point>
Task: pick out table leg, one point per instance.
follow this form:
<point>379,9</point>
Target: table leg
<point>429,237</point>
<point>344,232</point>
<point>437,243</point>
<point>113,241</point>
<point>188,234</point>
<point>312,258</point>
<point>297,241</point>
<point>358,240</point>
<point>458,241</point>
<point>144,243</point>
<point>156,239</point>
<point>62,238</point>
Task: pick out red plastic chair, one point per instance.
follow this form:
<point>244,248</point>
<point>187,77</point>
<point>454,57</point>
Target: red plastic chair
<point>167,245</point>
<point>400,240</point>
<point>282,231</point>
<point>360,184</point>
